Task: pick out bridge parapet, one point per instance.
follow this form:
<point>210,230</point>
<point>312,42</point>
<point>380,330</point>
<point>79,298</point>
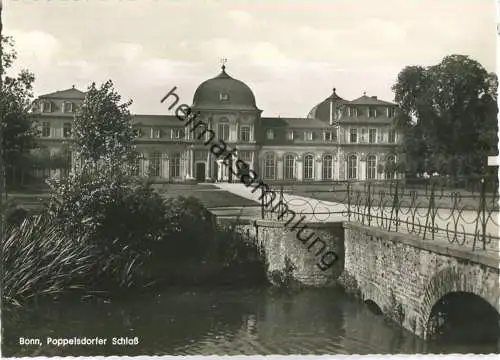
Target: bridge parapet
<point>406,276</point>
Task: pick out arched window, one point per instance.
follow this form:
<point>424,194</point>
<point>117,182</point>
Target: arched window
<point>289,167</point>
<point>371,167</point>
<point>390,167</point>
<point>269,166</point>
<point>327,167</point>
<point>352,167</point>
<point>175,165</point>
<point>308,167</point>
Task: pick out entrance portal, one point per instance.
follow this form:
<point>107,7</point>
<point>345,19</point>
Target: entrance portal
<point>200,172</point>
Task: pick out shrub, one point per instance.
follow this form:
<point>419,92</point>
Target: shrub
<point>14,215</point>
<point>120,219</point>
<point>189,228</point>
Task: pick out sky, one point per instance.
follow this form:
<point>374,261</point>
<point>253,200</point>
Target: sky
<point>291,53</point>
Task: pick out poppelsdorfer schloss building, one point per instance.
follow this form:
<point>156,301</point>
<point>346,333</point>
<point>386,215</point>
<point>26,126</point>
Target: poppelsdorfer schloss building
<point>338,140</point>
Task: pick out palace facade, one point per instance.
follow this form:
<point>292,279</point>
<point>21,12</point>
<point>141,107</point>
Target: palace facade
<point>338,140</point>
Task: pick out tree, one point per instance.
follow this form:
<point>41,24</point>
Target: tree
<point>18,131</point>
<point>447,114</point>
<point>103,136</point>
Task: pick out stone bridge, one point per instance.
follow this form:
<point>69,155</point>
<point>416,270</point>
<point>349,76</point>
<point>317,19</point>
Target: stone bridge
<point>398,275</point>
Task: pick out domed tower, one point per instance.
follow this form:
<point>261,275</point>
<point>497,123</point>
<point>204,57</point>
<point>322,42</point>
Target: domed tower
<point>329,109</point>
<point>224,93</point>
<point>227,106</point>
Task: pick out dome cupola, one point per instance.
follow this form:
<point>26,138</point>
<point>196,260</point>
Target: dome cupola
<point>223,93</point>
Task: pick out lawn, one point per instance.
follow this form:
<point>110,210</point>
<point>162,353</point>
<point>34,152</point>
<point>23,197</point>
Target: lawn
<point>209,195</point>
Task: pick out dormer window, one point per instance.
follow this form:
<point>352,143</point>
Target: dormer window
<point>223,96</point>
<point>289,135</point>
<point>68,107</point>
<point>372,112</point>
<point>308,135</point>
<point>270,134</point>
<point>46,106</point>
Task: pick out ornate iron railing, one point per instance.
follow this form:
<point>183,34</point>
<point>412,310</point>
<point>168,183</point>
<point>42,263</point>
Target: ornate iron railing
<point>464,212</point>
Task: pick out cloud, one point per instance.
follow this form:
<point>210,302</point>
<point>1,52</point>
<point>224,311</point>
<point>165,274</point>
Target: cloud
<point>241,18</point>
<point>243,51</point>
<point>124,51</point>
<point>35,46</point>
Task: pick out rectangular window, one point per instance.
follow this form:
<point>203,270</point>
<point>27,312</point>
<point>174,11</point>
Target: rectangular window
<point>353,136</point>
<point>392,136</point>
<point>372,112</point>
<point>245,133</point>
<point>46,106</point>
<point>363,136</point>
<point>308,135</point>
<point>175,165</point>
<point>177,133</point>
<point>66,130</point>
<point>371,167</point>
<point>155,164</point>
<point>390,112</point>
<point>270,134</point>
<point>68,107</point>
<point>245,156</point>
<point>372,136</point>
<point>352,167</point>
<point>138,132</point>
<point>289,135</point>
<point>330,136</point>
<point>45,129</point>
<point>155,133</point>
<point>223,131</point>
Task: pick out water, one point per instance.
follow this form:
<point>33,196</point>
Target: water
<point>216,322</point>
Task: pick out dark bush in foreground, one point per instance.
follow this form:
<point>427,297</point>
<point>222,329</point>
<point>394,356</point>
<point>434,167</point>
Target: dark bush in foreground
<point>102,236</point>
<point>15,215</point>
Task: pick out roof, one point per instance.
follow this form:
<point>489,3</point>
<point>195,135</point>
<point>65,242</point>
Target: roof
<point>293,122</point>
<point>69,94</point>
<point>322,110</point>
<point>149,120</point>
<point>224,92</point>
<point>369,100</point>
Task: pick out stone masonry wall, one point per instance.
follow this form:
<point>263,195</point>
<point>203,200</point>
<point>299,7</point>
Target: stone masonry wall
<point>406,276</point>
<point>289,260</point>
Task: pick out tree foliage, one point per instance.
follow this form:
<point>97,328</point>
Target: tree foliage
<point>17,95</point>
<point>103,137</point>
<point>448,116</point>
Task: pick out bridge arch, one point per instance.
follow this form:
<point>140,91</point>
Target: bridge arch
<point>372,296</point>
<point>449,282</point>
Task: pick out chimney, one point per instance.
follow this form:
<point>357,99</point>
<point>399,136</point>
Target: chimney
<point>374,97</point>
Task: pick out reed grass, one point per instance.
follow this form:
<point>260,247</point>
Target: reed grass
<point>40,259</point>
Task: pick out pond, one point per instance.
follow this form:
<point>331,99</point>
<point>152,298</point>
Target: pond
<point>192,321</point>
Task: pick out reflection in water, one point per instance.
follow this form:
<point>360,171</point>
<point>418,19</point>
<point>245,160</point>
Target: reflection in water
<point>224,321</point>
